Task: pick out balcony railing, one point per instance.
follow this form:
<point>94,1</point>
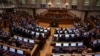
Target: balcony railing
<point>27,5</point>
<point>7,5</point>
<point>42,6</point>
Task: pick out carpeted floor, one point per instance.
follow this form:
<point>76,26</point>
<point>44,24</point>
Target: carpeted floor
<point>46,51</point>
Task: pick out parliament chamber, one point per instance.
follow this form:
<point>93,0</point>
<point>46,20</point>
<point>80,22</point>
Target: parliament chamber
<point>50,28</point>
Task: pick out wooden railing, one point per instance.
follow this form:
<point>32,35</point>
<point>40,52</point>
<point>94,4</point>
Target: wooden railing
<point>60,21</point>
<point>62,16</point>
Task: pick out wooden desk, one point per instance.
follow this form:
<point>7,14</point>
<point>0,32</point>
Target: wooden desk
<point>27,51</point>
<point>59,21</point>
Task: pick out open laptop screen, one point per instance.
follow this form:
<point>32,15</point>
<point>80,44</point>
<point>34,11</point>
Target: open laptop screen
<point>25,40</point>
<point>73,44</point>
<point>80,43</point>
<point>31,41</point>
<point>12,49</point>
<point>97,55</point>
<point>37,33</point>
<point>20,38</point>
<point>32,32</point>
<point>72,35</point>
<point>65,44</point>
<point>5,47</point>
<point>45,30</point>
<point>67,35</point>
<point>56,55</point>
<point>95,42</point>
<point>41,30</point>
<point>20,51</point>
<point>15,37</point>
<point>55,35</point>
<point>58,44</point>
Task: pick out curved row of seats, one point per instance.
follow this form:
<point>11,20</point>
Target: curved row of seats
<point>40,33</point>
<point>21,37</point>
<point>25,30</point>
<point>18,41</point>
<point>70,30</point>
<point>70,37</point>
<point>74,33</point>
<point>6,50</point>
<point>68,47</point>
<point>78,33</point>
<point>73,36</point>
<point>24,41</point>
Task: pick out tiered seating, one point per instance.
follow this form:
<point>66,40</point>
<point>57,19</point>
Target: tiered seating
<point>17,42</point>
<point>11,51</point>
<point>25,36</point>
<point>95,43</point>
<point>25,31</point>
<point>80,33</point>
<point>7,50</point>
<point>29,43</point>
<point>71,34</point>
<point>67,35</point>
<point>36,32</point>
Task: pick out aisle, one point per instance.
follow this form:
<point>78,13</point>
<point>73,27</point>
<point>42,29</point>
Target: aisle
<point>47,49</point>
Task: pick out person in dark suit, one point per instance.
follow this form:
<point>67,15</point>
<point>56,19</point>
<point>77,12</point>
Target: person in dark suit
<point>17,43</point>
<point>54,23</point>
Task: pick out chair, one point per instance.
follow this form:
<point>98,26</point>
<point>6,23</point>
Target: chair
<point>66,47</point>
<point>11,52</point>
<point>80,46</point>
<point>74,47</point>
<point>19,53</point>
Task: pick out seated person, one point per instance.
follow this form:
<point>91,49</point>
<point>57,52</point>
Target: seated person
<point>17,43</point>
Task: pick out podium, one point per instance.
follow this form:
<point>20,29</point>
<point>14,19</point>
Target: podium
<point>54,24</point>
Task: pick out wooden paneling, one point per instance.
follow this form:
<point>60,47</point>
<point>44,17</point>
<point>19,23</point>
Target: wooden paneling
<point>60,21</point>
